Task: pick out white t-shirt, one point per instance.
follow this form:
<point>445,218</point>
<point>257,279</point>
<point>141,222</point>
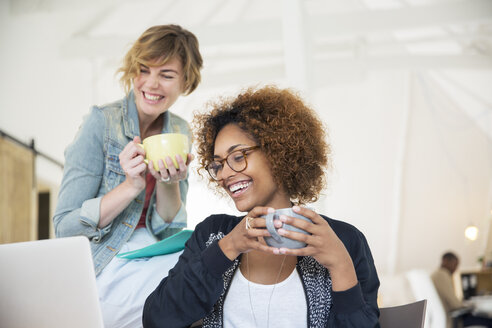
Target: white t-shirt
<point>287,307</point>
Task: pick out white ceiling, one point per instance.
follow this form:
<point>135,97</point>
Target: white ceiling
<point>432,32</point>
<point>308,42</point>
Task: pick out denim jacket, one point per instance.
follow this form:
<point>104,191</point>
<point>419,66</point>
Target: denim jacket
<point>92,169</point>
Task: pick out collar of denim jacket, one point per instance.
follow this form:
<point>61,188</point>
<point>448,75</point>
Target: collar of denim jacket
<point>131,123</point>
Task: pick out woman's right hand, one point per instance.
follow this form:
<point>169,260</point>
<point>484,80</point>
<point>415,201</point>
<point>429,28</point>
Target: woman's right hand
<point>132,163</point>
<point>242,239</point>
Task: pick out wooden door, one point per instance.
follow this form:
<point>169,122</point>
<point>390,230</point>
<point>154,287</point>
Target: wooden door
<point>18,203</point>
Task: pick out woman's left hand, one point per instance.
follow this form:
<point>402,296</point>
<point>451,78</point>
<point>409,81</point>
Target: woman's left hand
<point>171,174</point>
<point>322,244</point>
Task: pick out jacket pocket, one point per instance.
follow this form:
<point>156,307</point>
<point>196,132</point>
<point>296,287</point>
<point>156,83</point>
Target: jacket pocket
<point>113,172</point>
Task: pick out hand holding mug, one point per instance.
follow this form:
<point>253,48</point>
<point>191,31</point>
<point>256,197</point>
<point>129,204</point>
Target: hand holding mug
<point>132,162</point>
<point>167,156</point>
<point>321,241</point>
<point>246,234</point>
<point>170,174</point>
<point>278,241</point>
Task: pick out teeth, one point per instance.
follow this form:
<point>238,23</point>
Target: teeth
<point>151,97</point>
<point>237,186</point>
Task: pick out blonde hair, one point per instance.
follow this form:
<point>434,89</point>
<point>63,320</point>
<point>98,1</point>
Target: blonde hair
<point>156,46</point>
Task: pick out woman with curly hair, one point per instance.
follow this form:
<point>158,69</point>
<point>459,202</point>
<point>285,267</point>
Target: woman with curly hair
<point>266,149</point>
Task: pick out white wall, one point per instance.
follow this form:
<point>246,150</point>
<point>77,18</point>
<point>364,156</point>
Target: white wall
<point>43,96</point>
<point>365,118</point>
<point>448,171</point>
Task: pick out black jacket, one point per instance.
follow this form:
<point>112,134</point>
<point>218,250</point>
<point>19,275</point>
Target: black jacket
<point>197,286</point>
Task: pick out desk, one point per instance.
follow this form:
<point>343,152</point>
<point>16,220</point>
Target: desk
<point>476,283</point>
<point>482,306</point>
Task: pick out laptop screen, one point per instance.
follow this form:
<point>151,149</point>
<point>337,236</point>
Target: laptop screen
<point>48,283</point>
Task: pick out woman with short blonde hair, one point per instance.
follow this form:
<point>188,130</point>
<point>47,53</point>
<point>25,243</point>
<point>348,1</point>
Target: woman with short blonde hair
<point>109,194</point>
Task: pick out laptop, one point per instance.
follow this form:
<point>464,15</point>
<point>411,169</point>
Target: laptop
<point>48,283</point>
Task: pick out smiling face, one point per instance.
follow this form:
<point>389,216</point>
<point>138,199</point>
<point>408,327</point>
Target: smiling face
<point>156,88</point>
<point>255,185</point>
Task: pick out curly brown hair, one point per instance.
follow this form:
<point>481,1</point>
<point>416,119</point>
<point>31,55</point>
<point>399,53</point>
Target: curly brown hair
<point>288,132</point>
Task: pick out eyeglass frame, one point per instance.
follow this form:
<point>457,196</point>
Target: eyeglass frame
<point>243,151</point>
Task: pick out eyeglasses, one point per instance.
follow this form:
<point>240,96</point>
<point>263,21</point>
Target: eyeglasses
<point>236,161</point>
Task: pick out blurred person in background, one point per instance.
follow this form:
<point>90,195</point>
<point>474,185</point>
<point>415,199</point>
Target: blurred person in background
<point>443,281</point>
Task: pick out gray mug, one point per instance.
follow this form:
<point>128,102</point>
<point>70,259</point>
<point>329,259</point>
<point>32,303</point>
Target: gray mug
<point>277,240</point>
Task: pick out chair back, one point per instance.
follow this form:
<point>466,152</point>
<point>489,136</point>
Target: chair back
<point>423,288</point>
<point>403,316</point>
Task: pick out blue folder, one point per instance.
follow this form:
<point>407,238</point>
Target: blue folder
<point>172,244</point>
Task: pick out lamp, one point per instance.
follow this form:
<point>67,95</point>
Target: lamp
<point>471,232</point>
